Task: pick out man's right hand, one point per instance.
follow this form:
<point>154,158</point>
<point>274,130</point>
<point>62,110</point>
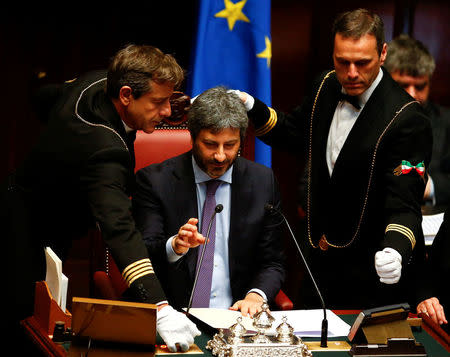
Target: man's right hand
<point>175,329</point>
<point>188,237</point>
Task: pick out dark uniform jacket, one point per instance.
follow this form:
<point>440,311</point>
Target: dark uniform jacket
<point>367,203</point>
<point>80,175</point>
<point>166,198</point>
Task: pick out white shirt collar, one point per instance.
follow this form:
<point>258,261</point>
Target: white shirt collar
<point>127,128</point>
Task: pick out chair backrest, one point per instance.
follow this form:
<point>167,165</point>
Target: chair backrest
<point>162,144</point>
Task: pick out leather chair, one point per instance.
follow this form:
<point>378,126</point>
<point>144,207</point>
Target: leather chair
<point>162,144</point>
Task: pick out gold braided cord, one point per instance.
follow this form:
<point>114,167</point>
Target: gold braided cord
<point>271,122</point>
<point>372,166</point>
<point>403,230</point>
<point>308,202</point>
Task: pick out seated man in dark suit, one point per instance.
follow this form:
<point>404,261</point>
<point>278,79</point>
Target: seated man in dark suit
<point>247,260</point>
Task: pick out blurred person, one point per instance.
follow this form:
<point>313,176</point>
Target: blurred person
<point>438,266</point>
<point>412,66</point>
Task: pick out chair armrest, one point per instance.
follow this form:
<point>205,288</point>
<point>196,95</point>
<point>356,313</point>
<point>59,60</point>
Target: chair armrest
<point>283,302</point>
<point>104,286</point>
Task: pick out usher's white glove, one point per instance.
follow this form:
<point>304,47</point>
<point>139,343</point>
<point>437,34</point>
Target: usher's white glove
<point>246,98</point>
<point>388,263</point>
<point>175,328</point>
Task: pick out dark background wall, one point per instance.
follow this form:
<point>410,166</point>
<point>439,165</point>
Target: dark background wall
<point>64,42</point>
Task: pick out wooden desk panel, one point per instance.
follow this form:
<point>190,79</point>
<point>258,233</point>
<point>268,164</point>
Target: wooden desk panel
<point>436,342</point>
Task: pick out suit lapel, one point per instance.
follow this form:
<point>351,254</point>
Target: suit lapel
<point>240,206</point>
<point>185,196</point>
<point>320,178</point>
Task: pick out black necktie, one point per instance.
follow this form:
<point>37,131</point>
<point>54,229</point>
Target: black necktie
<point>353,100</point>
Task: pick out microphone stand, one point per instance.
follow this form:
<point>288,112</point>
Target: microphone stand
<point>324,332</point>
<point>217,209</point>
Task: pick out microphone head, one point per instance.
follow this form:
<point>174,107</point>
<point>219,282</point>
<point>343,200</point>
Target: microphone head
<point>268,207</point>
<point>218,208</point>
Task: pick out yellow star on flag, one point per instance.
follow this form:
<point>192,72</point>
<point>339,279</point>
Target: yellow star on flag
<point>233,12</point>
<point>267,52</point>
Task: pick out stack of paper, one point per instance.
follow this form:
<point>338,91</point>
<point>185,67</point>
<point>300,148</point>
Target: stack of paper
<point>306,323</point>
<point>56,281</point>
<point>430,226</point>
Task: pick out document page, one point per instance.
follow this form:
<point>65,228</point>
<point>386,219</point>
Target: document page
<point>53,275</point>
<point>430,225</point>
<point>306,323</point>
<point>56,281</point>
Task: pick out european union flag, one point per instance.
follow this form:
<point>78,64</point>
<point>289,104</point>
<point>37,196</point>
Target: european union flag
<point>233,48</point>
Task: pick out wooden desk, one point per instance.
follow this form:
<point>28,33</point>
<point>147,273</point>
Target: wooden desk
<point>41,339</point>
<point>434,339</point>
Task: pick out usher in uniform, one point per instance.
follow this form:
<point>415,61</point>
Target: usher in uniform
<point>79,176</point>
<point>369,199</point>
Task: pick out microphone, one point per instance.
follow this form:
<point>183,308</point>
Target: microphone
<point>217,209</point>
<point>324,332</point>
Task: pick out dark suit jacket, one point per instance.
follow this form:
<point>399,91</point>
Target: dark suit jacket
<point>165,199</point>
<point>351,213</point>
<point>436,274</point>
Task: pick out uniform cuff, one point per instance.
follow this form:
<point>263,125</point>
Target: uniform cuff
<point>259,114</point>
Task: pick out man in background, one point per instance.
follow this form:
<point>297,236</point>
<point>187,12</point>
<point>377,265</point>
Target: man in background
<point>411,65</point>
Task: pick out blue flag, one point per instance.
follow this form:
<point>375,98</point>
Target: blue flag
<point>233,48</point>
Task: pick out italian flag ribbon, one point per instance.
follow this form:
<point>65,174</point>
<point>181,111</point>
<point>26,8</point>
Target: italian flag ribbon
<point>407,167</point>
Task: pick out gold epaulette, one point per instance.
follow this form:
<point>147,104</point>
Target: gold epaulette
<point>269,124</point>
<point>137,270</point>
<point>403,230</point>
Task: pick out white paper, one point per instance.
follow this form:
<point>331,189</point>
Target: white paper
<point>306,323</point>
<point>430,226</point>
<point>63,290</point>
<point>53,274</point>
<point>56,281</point>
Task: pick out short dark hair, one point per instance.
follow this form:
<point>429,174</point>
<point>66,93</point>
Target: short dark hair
<point>217,109</point>
<point>136,65</point>
<point>358,23</point>
<point>409,56</point>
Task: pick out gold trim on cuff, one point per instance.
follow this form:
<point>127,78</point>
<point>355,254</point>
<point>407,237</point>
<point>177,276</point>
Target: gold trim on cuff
<point>137,269</point>
<point>269,124</point>
<point>403,230</point>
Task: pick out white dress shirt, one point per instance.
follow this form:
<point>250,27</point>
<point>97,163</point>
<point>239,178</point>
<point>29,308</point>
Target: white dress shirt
<point>221,296</point>
<point>344,118</point>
